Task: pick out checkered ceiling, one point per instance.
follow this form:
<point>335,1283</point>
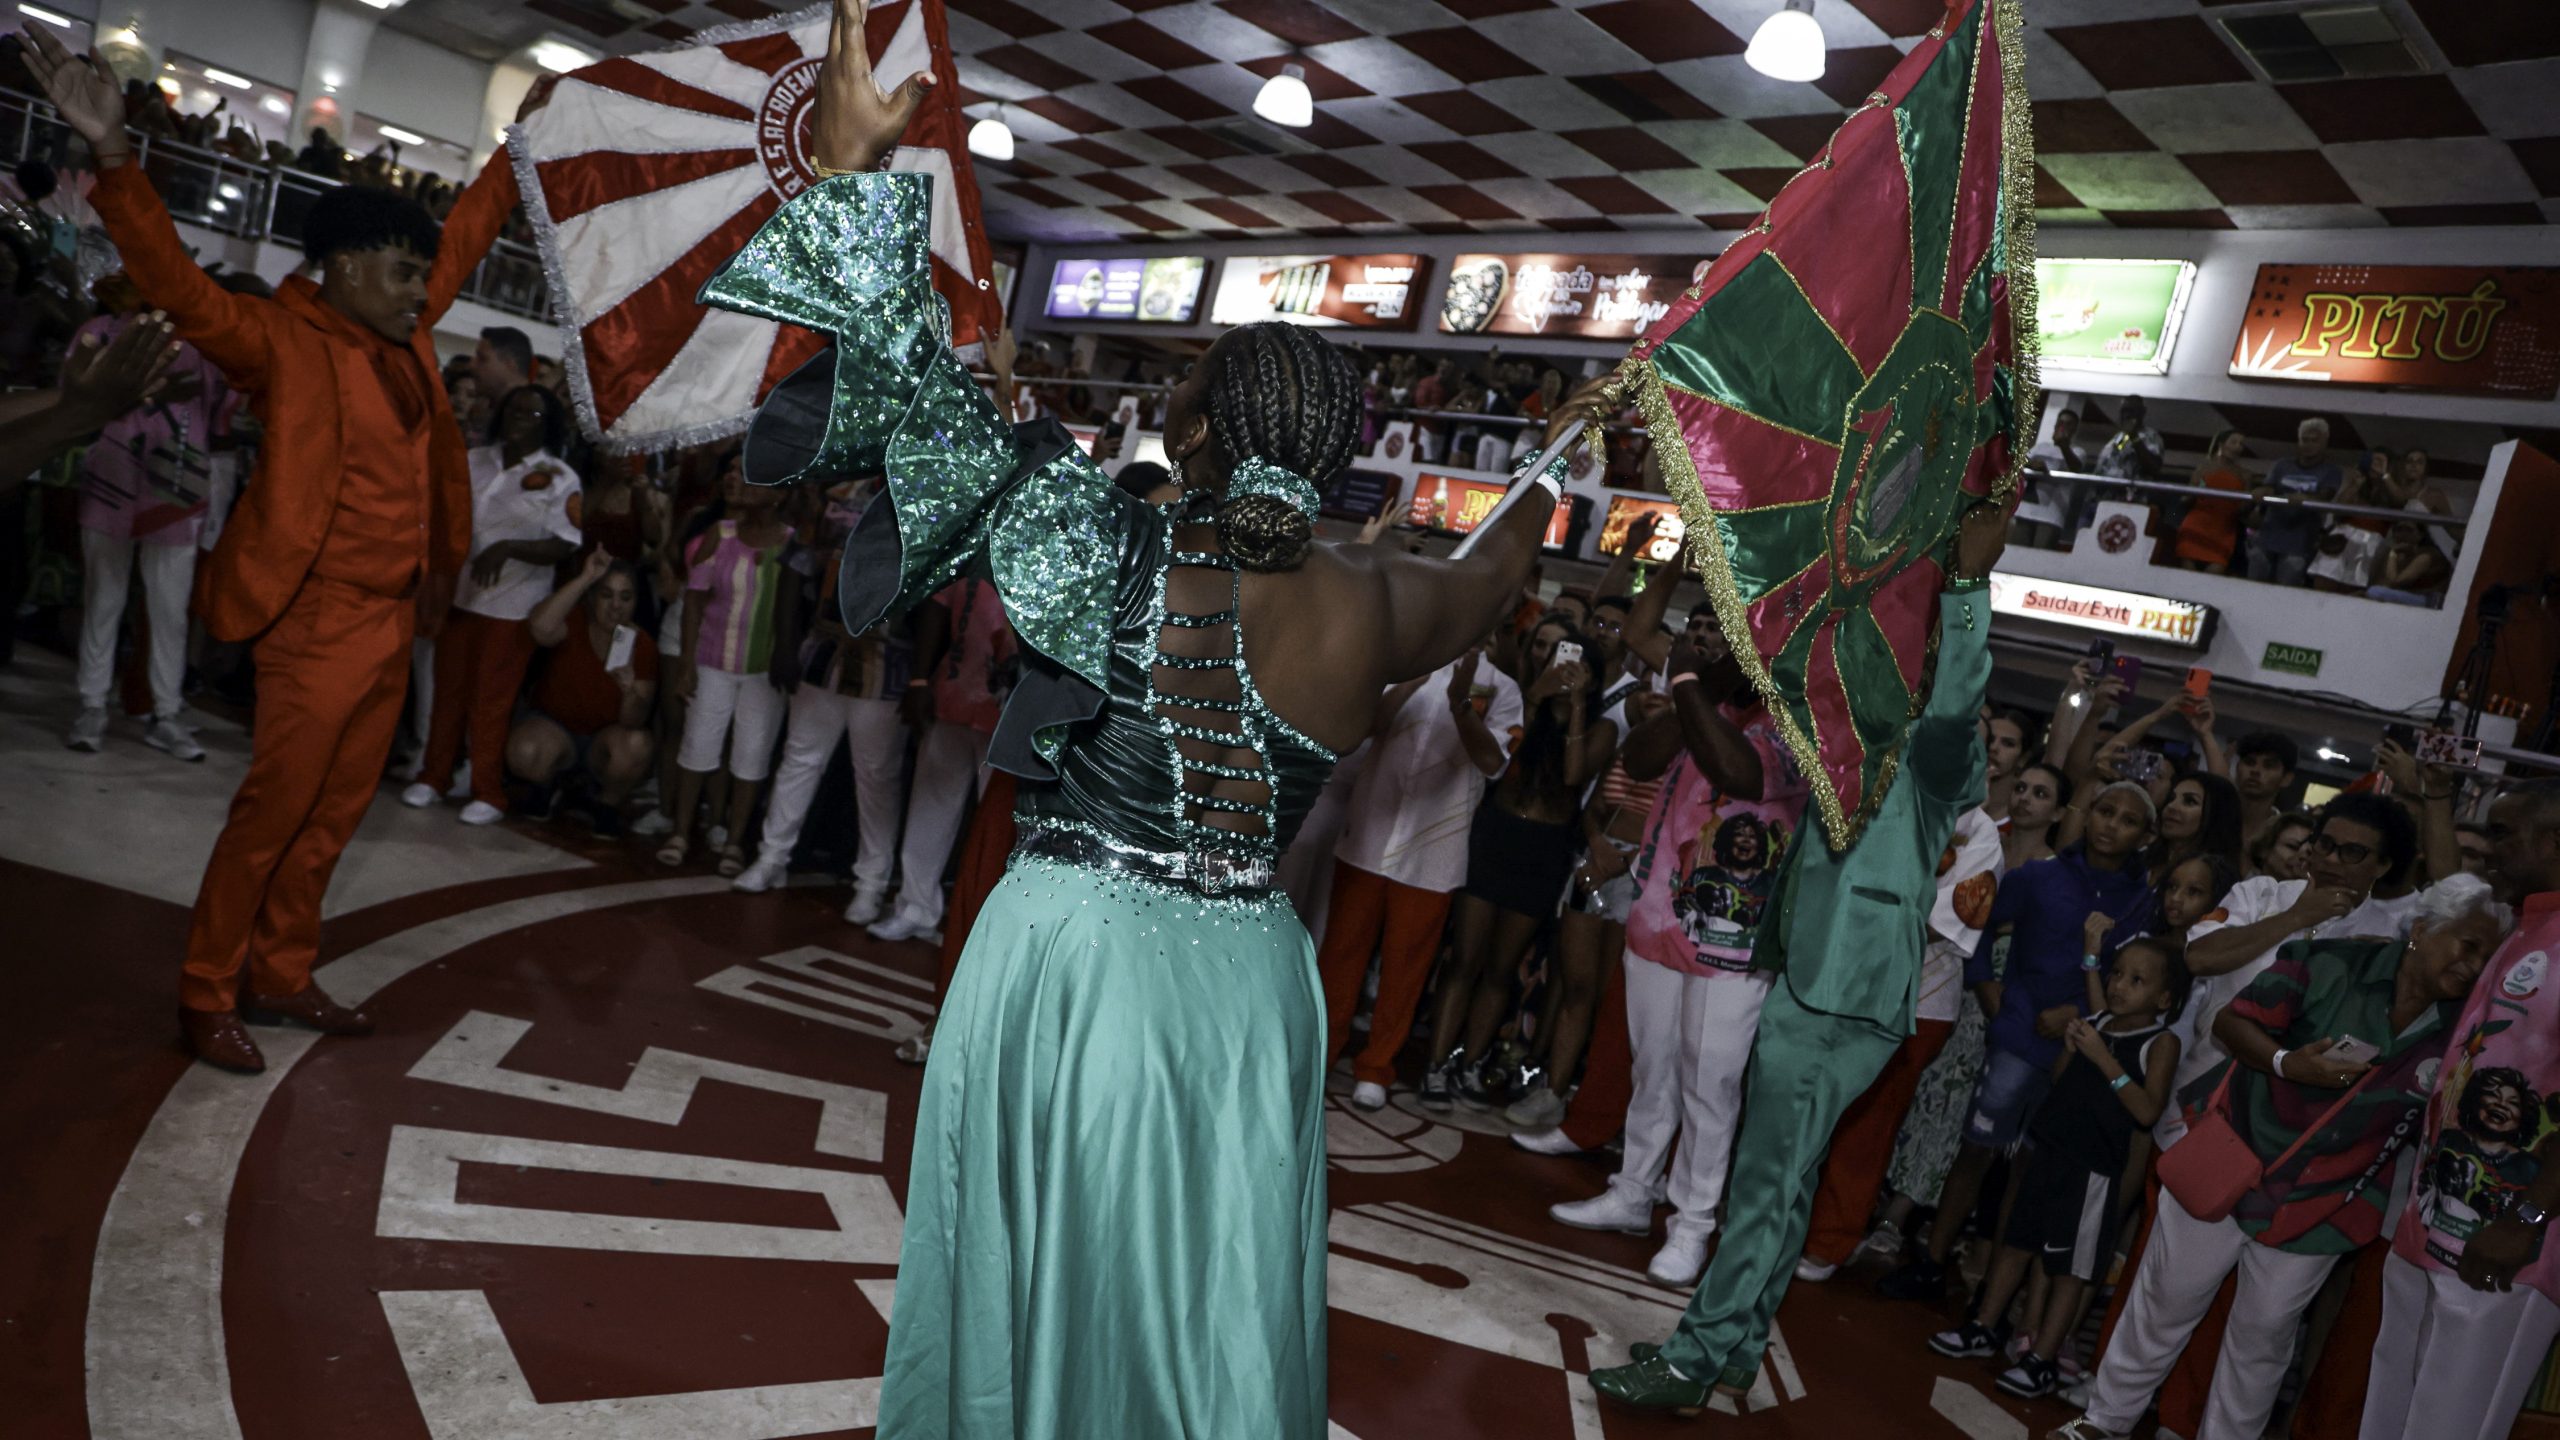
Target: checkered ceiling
<point>1134,119</point>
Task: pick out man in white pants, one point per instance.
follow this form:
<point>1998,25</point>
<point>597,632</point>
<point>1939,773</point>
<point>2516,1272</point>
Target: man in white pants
<point>143,487</point>
<point>952,700</point>
<point>1731,803</point>
<point>2468,1295</point>
<point>848,691</point>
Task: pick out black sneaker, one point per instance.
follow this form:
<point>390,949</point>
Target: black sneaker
<point>1437,1084</point>
<point>1481,1091</point>
<point>1921,1279</point>
<point>2032,1378</point>
<point>540,802</point>
<point>1968,1341</point>
<point>605,820</point>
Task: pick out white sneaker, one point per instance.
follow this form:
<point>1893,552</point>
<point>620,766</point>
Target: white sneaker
<point>1814,1272</point>
<point>1369,1095</point>
<point>1679,1263</point>
<point>1548,1142</point>
<point>1540,1109</point>
<point>481,812</point>
<point>1616,1208</point>
<point>167,733</point>
<point>418,796</point>
<point>867,904</point>
<point>89,731</point>
<point>767,872</point>
<point>1884,1240</point>
<point>653,825</point>
<point>898,928</point>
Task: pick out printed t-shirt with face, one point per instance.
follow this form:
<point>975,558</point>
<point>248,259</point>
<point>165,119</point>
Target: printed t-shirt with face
<point>1968,879</point>
<point>1411,811</point>
<point>2497,1097</point>
<point>1710,861</point>
<point>535,499</point>
<point>2249,902</point>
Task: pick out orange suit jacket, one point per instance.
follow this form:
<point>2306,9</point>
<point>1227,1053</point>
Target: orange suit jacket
<point>312,404</point>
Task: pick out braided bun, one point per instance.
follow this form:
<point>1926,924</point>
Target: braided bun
<point>1264,533</point>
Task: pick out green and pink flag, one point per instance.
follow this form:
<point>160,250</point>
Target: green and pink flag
<point>1844,383</point>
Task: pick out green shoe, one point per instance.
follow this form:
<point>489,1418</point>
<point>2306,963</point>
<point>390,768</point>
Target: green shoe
<point>1651,1384</point>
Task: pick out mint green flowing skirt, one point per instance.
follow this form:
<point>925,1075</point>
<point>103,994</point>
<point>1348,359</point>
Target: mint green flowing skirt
<point>1115,1222</point>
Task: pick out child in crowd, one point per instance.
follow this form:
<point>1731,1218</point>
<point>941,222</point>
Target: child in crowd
<point>733,601</point>
<point>2111,1080</point>
<point>2043,907</point>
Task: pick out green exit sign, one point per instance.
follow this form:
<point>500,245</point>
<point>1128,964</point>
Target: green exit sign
<point>2291,659</point>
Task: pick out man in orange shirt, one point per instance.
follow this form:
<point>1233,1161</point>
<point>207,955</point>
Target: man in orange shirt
<point>357,524</point>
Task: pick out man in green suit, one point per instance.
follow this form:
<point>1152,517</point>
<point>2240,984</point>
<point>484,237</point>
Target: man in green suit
<point>1847,951</point>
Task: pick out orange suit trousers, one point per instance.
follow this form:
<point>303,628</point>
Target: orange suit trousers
<point>332,672</point>
<point>1371,914</point>
<point>480,665</point>
<point>1862,1147</point>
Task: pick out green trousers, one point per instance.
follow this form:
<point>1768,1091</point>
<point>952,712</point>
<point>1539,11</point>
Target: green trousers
<point>1806,1068</point>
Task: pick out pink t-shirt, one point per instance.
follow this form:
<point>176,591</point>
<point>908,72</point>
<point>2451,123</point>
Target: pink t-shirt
<point>2493,1103</point>
<point>147,476</point>
<point>1710,861</point>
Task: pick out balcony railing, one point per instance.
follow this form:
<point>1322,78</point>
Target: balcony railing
<point>259,202</point>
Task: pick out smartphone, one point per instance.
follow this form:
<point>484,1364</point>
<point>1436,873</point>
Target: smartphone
<point>2101,654</point>
<point>624,640</point>
<point>2348,1050</point>
<point>2443,747</point>
<point>1568,652</point>
<point>2403,735</point>
<point>2127,668</point>
<point>2199,682</point>
<point>2141,766</point>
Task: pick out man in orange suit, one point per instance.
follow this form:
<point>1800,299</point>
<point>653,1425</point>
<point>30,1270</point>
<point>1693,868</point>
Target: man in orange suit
<point>356,525</point>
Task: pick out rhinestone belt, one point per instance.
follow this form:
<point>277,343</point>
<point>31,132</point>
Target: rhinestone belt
<point>1208,872</point>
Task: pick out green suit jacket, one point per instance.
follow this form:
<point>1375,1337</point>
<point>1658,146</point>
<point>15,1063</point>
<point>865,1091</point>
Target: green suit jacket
<point>1852,926</point>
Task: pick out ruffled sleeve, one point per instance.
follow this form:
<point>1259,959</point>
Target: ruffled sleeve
<point>850,257</point>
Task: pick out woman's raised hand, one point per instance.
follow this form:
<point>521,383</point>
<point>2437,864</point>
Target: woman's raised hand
<point>82,88</point>
<point>856,123</point>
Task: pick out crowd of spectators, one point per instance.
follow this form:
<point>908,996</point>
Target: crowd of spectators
<point>2264,532</point>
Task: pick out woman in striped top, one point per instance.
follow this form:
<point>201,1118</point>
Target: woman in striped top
<point>733,604</point>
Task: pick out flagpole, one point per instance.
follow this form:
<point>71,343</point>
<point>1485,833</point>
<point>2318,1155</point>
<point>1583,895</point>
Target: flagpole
<point>1572,432</point>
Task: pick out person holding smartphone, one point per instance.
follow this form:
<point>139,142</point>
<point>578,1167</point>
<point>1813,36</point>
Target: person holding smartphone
<point>589,722</point>
<point>2332,1051</point>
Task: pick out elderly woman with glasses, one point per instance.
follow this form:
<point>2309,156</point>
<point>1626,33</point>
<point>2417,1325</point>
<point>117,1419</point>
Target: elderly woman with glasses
<point>2334,1051</point>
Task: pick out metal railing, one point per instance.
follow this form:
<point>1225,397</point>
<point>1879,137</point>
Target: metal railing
<point>254,201</point>
<point>2277,500</point>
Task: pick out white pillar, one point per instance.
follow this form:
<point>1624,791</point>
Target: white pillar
<point>509,80</point>
<point>332,67</point>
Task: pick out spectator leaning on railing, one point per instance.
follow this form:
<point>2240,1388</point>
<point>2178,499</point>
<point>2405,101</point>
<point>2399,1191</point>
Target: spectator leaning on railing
<point>2281,543</point>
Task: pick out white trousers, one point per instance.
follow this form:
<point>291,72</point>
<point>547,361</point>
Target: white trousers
<point>746,712</point>
<point>951,763</point>
<point>168,572</point>
<point>1691,1038</point>
<point>819,718</point>
<point>2182,1267</point>
<point>2458,1357</point>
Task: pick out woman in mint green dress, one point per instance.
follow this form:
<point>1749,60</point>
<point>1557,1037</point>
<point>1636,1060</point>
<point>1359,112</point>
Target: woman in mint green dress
<point>1116,1212</point>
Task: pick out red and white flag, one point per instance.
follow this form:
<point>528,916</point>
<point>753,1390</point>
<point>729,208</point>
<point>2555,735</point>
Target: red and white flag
<point>645,174</point>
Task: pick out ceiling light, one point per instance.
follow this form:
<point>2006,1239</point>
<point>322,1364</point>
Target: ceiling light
<point>45,15</point>
<point>230,192</point>
<point>225,77</point>
<point>217,207</point>
<point>1788,45</point>
<point>991,138</point>
<point>394,132</point>
<point>560,57</point>
<point>274,105</point>
<point>2334,757</point>
<point>1285,99</point>
<point>384,4</point>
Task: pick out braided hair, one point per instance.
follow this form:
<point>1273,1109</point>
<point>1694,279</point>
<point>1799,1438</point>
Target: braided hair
<point>1284,393</point>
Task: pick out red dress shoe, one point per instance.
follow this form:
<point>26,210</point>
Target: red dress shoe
<point>217,1038</point>
<point>310,1007</point>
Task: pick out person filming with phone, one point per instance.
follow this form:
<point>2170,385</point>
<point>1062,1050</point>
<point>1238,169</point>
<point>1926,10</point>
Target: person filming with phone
<point>2333,1050</point>
<point>588,725</point>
